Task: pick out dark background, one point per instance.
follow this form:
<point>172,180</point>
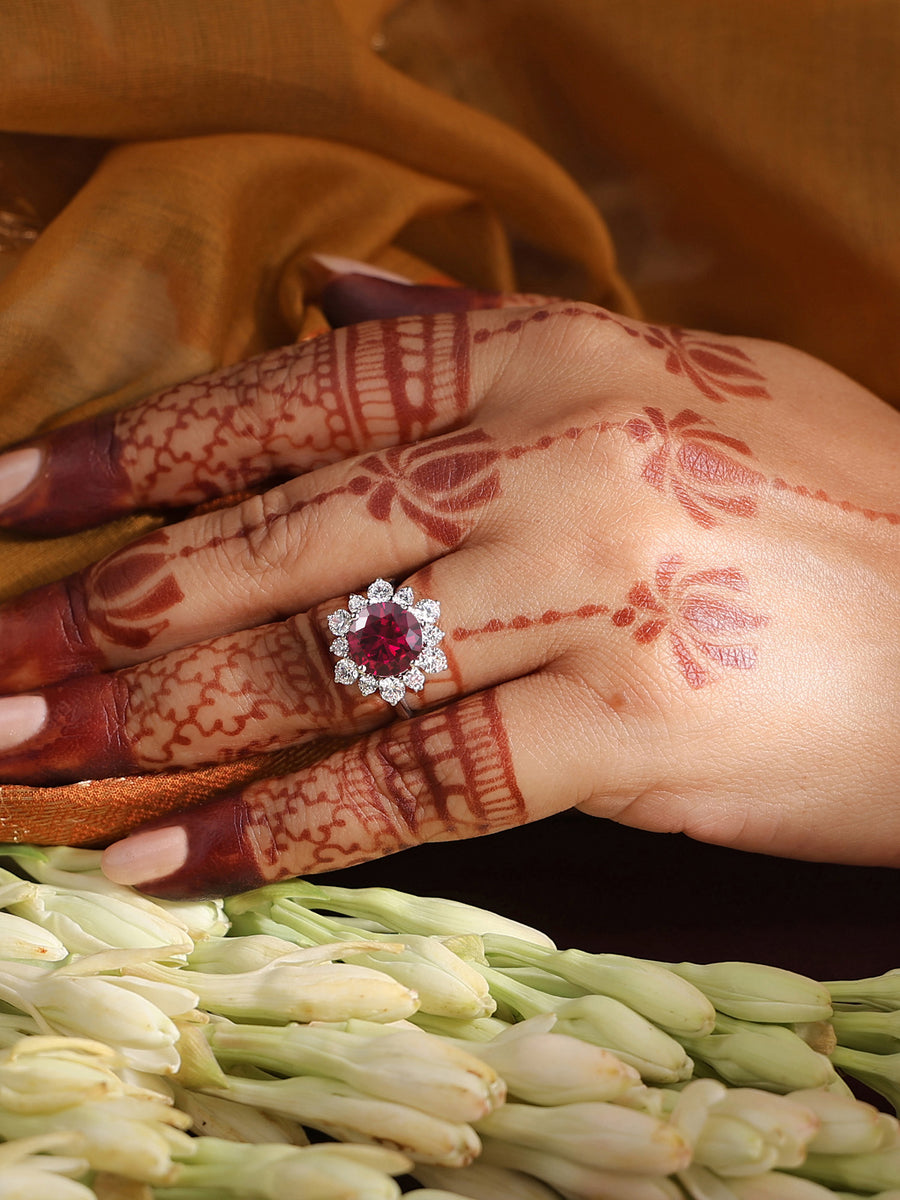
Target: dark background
<point>604,887</point>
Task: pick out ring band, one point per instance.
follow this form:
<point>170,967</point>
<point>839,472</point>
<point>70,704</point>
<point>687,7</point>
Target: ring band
<point>387,641</point>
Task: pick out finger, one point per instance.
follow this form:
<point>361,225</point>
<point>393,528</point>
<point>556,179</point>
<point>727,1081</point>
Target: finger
<point>329,531</point>
<point>351,292</point>
<point>322,534</point>
<point>280,414</point>
<point>279,685</point>
<point>468,769</point>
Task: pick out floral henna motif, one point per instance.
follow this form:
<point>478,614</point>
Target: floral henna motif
<point>696,616</point>
<point>132,591</point>
<point>690,460</point>
<point>693,611</point>
<point>431,483</point>
<point>719,370</point>
<point>447,773</point>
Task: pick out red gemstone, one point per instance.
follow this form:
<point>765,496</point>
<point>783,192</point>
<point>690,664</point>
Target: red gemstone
<point>384,639</point>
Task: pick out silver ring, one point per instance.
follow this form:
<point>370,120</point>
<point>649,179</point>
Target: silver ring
<point>387,641</point>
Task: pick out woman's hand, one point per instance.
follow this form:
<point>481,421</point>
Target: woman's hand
<point>667,564</point>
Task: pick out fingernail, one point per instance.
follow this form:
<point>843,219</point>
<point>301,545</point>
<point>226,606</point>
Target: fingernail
<point>350,266</point>
<point>146,856</point>
<point>18,469</point>
<point>21,717</point>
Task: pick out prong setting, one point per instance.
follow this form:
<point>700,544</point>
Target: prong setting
<point>387,641</point>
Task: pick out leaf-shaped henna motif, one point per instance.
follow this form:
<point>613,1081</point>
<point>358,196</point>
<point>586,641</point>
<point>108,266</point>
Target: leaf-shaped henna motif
<point>696,617</point>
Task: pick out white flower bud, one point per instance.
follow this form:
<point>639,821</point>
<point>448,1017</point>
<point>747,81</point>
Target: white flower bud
<point>404,1065</point>
<point>608,1136</point>
<point>756,992</point>
<point>445,984</point>
<point>551,1068</point>
<point>670,1002</point>
<point>578,1179</point>
<point>23,940</point>
<point>335,1108</point>
<point>291,988</point>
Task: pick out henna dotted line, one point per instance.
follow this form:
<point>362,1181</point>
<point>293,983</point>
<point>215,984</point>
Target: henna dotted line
<point>689,609</point>
<point>848,506</point>
<point>718,370</point>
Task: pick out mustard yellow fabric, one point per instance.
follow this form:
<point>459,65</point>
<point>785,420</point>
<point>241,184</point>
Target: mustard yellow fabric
<point>166,169</point>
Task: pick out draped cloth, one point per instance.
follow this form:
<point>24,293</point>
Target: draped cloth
<point>167,169</point>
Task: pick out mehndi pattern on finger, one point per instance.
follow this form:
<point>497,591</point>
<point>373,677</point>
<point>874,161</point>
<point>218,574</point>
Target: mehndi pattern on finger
<point>431,482</point>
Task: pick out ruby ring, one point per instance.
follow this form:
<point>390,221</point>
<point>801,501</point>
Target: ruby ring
<point>387,641</point>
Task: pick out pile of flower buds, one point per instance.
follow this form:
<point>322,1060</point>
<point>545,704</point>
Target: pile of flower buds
<point>356,1044</point>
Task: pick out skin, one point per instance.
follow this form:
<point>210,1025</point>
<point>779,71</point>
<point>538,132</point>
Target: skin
<point>667,563</point>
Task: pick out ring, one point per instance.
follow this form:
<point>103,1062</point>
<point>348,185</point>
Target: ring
<point>387,641</point>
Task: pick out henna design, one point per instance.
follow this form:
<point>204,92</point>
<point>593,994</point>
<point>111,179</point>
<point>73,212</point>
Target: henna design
<point>718,370</point>
<point>84,731</point>
<point>446,773</point>
<point>693,618</point>
<point>847,506</point>
<point>551,617</point>
<point>51,633</point>
<point>371,385</point>
<point>82,481</point>
<point>416,370</point>
<point>130,593</point>
<point>685,462</point>
<point>431,481</point>
<point>234,696</point>
<point>284,412</point>
<point>690,609</point>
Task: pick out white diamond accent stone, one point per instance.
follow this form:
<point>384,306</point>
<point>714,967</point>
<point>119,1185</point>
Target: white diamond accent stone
<point>432,661</point>
<point>414,679</point>
<point>339,622</point>
<point>357,603</point>
<point>380,591</point>
<point>404,597</point>
<point>345,671</point>
<point>431,635</point>
<point>391,689</point>
<point>368,684</point>
<point>427,611</point>
<point>340,647</point>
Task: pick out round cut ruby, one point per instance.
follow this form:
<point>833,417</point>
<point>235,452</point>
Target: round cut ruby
<point>384,639</point>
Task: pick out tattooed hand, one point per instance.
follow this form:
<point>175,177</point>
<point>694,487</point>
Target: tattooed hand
<point>667,563</point>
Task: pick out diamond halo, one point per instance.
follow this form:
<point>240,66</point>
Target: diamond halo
<point>386,641</point>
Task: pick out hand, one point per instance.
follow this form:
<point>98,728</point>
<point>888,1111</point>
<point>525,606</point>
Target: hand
<point>667,564</point>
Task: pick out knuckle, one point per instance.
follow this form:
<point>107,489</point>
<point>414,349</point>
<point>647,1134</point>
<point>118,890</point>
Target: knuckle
<point>268,532</point>
<point>393,782</point>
